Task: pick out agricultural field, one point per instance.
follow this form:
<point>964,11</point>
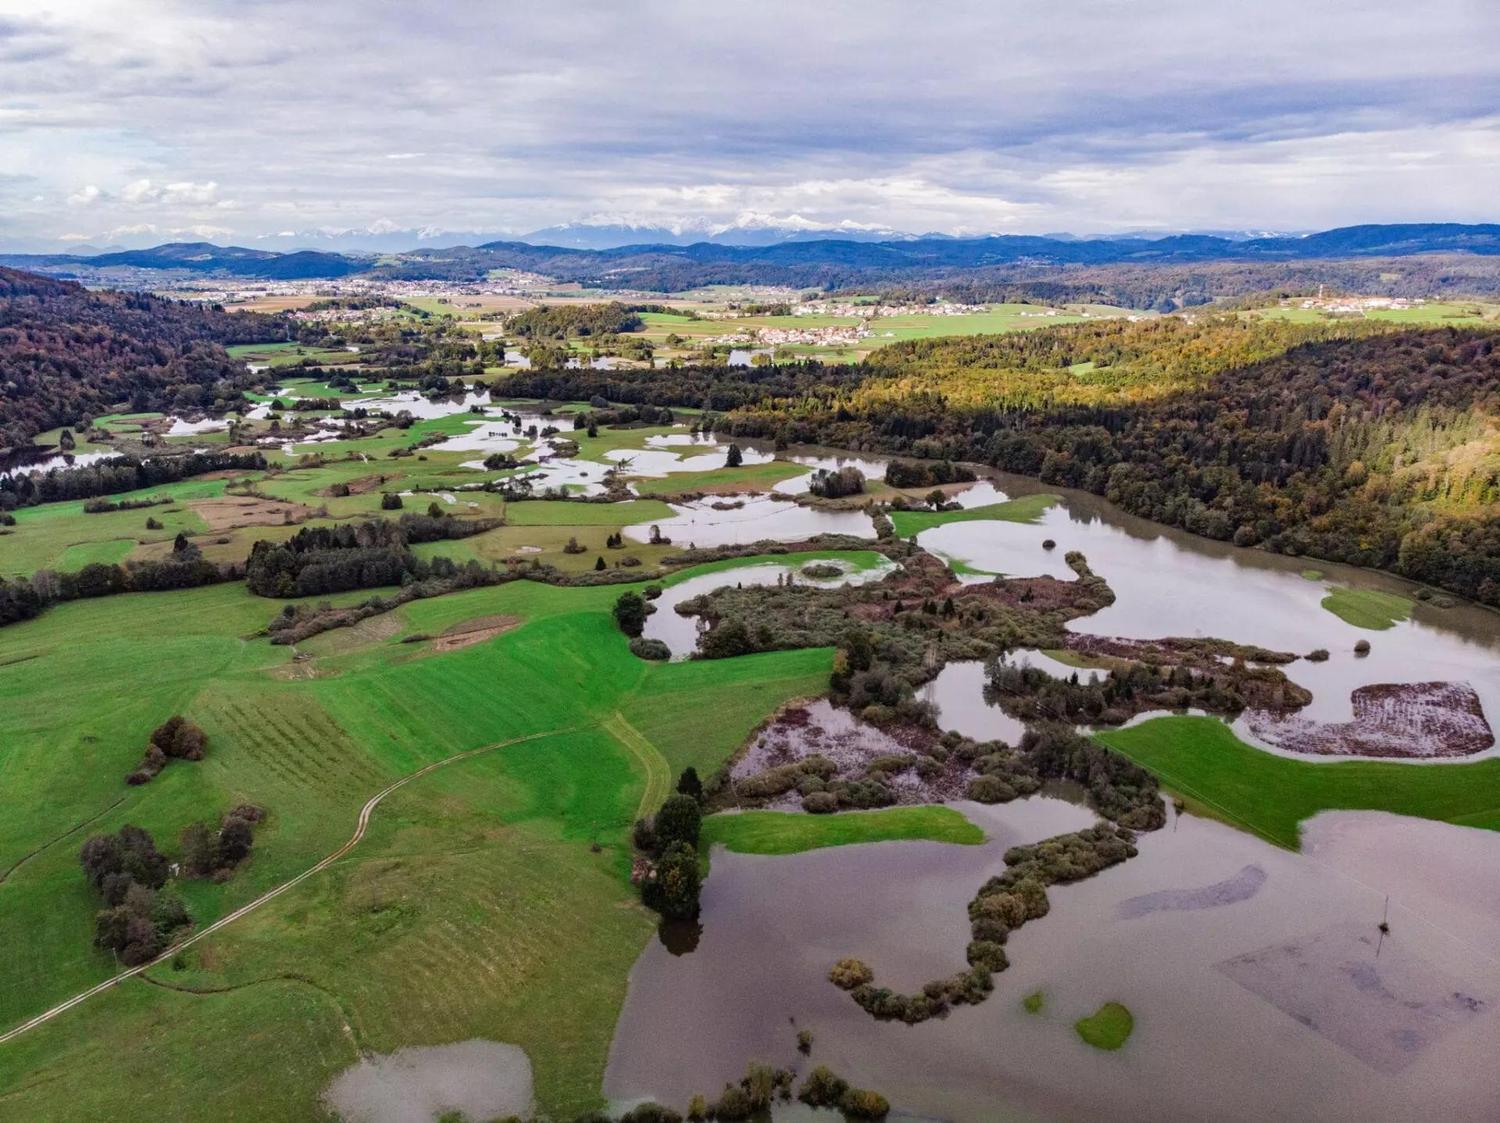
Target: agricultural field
<point>1432,313</point>
<point>290,354</point>
<point>460,873</point>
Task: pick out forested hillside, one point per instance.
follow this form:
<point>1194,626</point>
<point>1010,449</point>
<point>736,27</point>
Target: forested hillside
<point>68,354</point>
<point>1373,446</point>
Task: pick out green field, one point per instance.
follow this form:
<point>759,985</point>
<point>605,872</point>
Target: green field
<point>884,330</point>
<point>1434,313</point>
<point>276,355</point>
<point>476,905</point>
<point>783,832</point>
<point>1026,509</point>
<point>1220,776</point>
<point>1367,608</point>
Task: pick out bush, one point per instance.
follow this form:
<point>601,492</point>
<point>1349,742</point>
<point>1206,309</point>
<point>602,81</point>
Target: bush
<point>987,954</point>
<point>679,820</point>
<point>1318,656</point>
<point>989,789</point>
<point>672,887</point>
<point>861,1103</point>
<point>650,1113</point>
<point>820,803</point>
<point>689,784</point>
<point>390,501</point>
<point>823,1088</point>
<point>849,973</point>
<point>653,649</point>
<point>644,836</point>
<point>174,739</point>
<point>630,613</point>
<point>1362,647</point>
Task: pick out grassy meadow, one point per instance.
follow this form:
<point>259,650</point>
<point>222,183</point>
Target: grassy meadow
<point>491,889</point>
<point>1220,776</point>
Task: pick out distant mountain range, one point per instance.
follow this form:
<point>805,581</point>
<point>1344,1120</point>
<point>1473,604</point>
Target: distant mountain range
<point>796,258</point>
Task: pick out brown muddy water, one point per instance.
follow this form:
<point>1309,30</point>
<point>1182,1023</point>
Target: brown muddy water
<point>1261,985</point>
<point>480,1079</point>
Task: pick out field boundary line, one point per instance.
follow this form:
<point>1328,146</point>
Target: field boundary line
<point>361,825</point>
<point>658,771</point>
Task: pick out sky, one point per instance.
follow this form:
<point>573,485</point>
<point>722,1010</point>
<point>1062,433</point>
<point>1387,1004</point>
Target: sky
<point>278,122</point>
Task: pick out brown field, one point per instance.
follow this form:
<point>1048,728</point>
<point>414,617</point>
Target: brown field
<point>232,512</point>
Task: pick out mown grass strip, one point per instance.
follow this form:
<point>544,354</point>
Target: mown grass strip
<point>792,832</point>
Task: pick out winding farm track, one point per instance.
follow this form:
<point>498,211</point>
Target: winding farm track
<point>648,756</point>
<point>360,827</point>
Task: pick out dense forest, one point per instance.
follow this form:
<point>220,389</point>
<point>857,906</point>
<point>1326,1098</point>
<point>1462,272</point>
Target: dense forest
<point>568,321</point>
<point>1369,445</point>
<point>68,354</point>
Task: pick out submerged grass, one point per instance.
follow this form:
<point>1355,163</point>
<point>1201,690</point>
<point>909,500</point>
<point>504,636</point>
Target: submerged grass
<point>1108,1027</point>
<point>1367,608</point>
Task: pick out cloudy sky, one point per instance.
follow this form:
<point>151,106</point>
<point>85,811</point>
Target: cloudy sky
<point>133,123</point>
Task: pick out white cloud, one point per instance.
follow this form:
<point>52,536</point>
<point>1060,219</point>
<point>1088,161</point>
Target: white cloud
<point>144,191</point>
<point>203,230</point>
<point>970,118</point>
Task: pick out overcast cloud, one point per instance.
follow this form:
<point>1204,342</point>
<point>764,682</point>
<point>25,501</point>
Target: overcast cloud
<point>141,122</point>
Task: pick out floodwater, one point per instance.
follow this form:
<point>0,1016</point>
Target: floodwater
<point>479,1079</point>
<point>25,467</point>
<point>755,519</point>
<point>958,694</point>
<point>661,462</point>
<point>680,633</point>
<point>1170,583</point>
<point>419,405</point>
<point>1237,959</point>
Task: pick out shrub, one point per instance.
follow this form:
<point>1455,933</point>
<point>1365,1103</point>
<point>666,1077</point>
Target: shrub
<point>644,836</point>
<point>390,501</point>
<point>820,803</point>
<point>987,954</point>
<point>823,1088</point>
<point>688,784</point>
<point>1362,647</point>
<point>733,1103</point>
<point>1318,656</point>
<point>861,1103</point>
<point>176,738</point>
<point>849,973</point>
<point>989,789</point>
<point>679,820</point>
<point>673,886</point>
<point>630,613</point>
<point>651,1113</point>
<point>653,649</point>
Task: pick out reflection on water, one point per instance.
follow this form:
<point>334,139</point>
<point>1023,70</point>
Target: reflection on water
<point>958,694</point>
<point>1203,1043</point>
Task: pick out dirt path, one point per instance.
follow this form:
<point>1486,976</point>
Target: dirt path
<point>359,832</point>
